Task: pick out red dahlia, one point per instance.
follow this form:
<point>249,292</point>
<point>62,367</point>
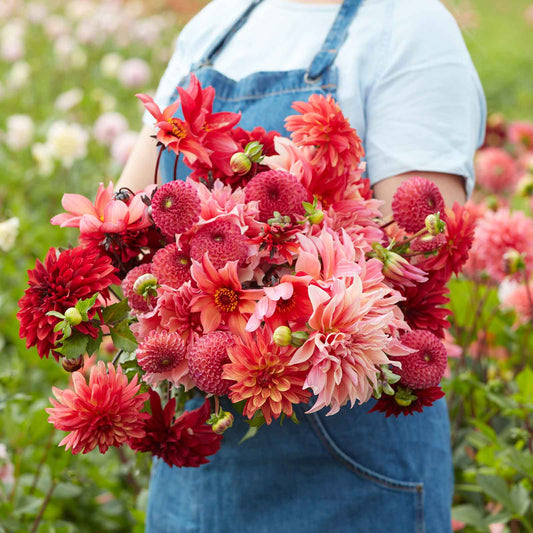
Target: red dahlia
<point>276,190</point>
<point>413,201</point>
<point>161,351</point>
<point>186,441</point>
<point>171,266</point>
<point>424,398</point>
<point>58,284</point>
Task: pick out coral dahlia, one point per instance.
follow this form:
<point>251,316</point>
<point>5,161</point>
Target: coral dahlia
<point>175,207</point>
<point>264,376</point>
<point>413,201</point>
<point>206,358</point>
<point>104,412</point>
<point>171,266</point>
<point>161,351</point>
<point>58,284</point>
<point>186,441</point>
<point>276,190</point>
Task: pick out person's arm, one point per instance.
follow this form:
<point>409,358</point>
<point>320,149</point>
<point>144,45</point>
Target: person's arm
<point>451,187</point>
<point>140,168</point>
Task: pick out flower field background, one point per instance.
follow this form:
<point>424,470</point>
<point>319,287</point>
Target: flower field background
<point>68,117</point>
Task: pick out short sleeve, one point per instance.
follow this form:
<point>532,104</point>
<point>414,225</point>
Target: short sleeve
<point>426,109</point>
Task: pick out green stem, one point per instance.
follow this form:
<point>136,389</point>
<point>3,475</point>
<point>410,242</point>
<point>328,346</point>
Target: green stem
<point>43,507</point>
<point>41,462</point>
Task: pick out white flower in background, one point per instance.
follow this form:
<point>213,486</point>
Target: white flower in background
<point>147,31</point>
<point>68,53</point>
<point>12,46</point>
<point>6,468</point>
<point>134,72</point>
<point>19,131</point>
<point>69,99</point>
<point>36,12</point>
<point>90,32</point>
<point>107,101</point>
<point>67,142</point>
<point>8,234</point>
<point>108,126</point>
<point>110,64</point>
<point>79,10</point>
<point>55,26</point>
<point>8,8</point>
<point>18,76</point>
<point>44,158</point>
<point>122,146</point>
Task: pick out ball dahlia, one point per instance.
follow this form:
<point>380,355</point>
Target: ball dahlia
<point>104,412</point>
<point>224,242</point>
<point>175,207</point>
<point>58,284</point>
<point>161,351</point>
<point>413,201</point>
<point>171,266</point>
<point>276,190</point>
<point>206,359</point>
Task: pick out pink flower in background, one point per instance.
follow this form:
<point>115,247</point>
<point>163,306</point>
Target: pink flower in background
<point>108,126</point>
<point>6,468</point>
<point>498,232</point>
<point>134,73</point>
<point>520,134</point>
<point>496,170</point>
<point>528,15</point>
<point>123,145</point>
<point>515,296</point>
<point>104,412</point>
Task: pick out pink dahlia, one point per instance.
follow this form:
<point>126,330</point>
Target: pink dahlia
<point>520,134</point>
<point>498,232</point>
<point>171,266</point>
<point>58,284</point>
<point>137,302</point>
<point>222,240</point>
<point>264,376</point>
<point>206,359</point>
<point>422,398</point>
<point>425,367</point>
<point>175,207</point>
<point>161,351</point>
<point>321,124</point>
<point>519,298</point>
<point>276,190</point>
<point>413,201</point>
<point>104,412</point>
<point>496,170</point>
<point>185,441</point>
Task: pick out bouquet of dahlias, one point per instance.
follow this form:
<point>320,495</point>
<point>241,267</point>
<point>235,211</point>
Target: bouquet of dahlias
<point>267,276</point>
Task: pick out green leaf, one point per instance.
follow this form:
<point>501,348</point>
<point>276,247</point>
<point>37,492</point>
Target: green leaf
<point>74,346</point>
<point>524,380</point>
<point>56,314</point>
<point>468,514</point>
<point>122,337</point>
<point>94,344</point>
<point>84,305</point>
<point>496,488</point>
<point>257,420</point>
<point>520,499</point>
<point>252,431</point>
<point>117,312</point>
<point>59,326</point>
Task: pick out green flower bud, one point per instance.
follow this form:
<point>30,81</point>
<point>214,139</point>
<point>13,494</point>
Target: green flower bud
<point>434,224</point>
<point>316,217</point>
<point>404,397</point>
<point>254,151</point>
<point>513,262</point>
<point>524,187</point>
<point>146,286</point>
<point>73,316</point>
<point>298,338</point>
<point>240,163</point>
<point>223,421</point>
<point>71,365</point>
<point>282,336</point>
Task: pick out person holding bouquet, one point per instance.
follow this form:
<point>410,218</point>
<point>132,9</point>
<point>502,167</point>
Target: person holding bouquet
<point>402,76</point>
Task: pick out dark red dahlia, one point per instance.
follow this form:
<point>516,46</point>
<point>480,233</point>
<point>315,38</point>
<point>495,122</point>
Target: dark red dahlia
<point>186,441</point>
<point>276,190</point>
<point>58,284</point>
<point>171,266</point>
<point>413,201</point>
<point>224,242</point>
<point>424,398</point>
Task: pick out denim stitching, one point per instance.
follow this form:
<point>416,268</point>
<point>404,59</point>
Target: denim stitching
<point>275,93</point>
<point>338,454</point>
<point>420,523</point>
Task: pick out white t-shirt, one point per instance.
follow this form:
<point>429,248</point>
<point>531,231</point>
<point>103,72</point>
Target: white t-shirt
<point>406,80</point>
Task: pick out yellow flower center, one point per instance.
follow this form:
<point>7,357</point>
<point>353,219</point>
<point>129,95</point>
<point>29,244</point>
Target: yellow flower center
<point>227,300</point>
<point>178,129</point>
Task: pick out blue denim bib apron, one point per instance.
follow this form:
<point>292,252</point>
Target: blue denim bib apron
<point>351,472</point>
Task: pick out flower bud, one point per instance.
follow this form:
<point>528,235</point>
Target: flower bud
<point>71,365</point>
<point>404,397</point>
<point>492,203</point>
<point>145,285</point>
<point>434,224</point>
<point>524,187</point>
<point>316,217</point>
<point>513,262</point>
<point>282,336</point>
<point>298,338</point>
<point>240,163</point>
<point>254,151</point>
<point>223,422</point>
<point>73,316</point>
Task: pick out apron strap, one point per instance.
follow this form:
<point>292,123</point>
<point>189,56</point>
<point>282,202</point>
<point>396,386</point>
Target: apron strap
<point>216,47</point>
<point>334,40</point>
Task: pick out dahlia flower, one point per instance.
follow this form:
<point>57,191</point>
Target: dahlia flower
<point>137,303</point>
<point>321,124</point>
<point>496,170</point>
<point>186,441</point>
<point>171,266</point>
<point>57,285</point>
<point>161,351</point>
<point>222,297</point>
<point>264,376</point>
<point>423,398</point>
<point>520,134</point>
<point>104,412</point>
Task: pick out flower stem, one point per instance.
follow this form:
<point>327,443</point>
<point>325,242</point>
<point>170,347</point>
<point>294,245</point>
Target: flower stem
<point>175,173</point>
<point>217,405</point>
<point>157,163</point>
<point>43,507</point>
<point>117,356</point>
<point>41,462</point>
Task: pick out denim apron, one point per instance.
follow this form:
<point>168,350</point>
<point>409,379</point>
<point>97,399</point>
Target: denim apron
<point>351,472</point>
